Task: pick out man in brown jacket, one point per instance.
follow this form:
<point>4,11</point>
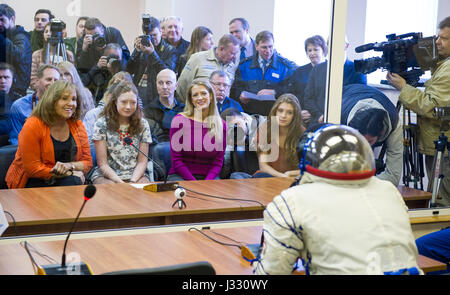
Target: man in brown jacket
<point>436,94</point>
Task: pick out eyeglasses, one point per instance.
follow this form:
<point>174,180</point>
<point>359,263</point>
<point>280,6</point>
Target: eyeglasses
<point>218,84</point>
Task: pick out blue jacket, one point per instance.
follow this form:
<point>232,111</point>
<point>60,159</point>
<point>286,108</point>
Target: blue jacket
<point>250,77</point>
<point>20,111</point>
<point>5,106</point>
<point>296,83</point>
<point>315,90</point>
<point>160,118</point>
<point>229,103</point>
<point>15,49</point>
<point>352,94</point>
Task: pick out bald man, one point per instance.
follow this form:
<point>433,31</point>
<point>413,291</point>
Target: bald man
<point>160,112</point>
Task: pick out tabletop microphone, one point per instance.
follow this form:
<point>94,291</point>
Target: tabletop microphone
<point>154,187</point>
<point>76,267</point>
<point>180,193</point>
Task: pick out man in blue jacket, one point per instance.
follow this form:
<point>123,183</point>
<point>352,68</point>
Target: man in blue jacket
<point>374,115</point>
<point>262,74</point>
<point>15,49</point>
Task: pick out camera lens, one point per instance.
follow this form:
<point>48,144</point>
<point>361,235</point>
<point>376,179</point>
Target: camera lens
<point>99,41</point>
<point>145,40</point>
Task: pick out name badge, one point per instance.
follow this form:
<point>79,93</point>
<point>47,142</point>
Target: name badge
<point>275,75</point>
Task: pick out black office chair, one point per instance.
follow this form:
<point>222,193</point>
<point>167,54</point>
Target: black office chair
<point>160,153</point>
<point>194,268</point>
<point>7,155</point>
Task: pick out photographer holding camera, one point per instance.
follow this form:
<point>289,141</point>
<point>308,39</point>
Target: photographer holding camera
<point>15,50</point>
<point>91,45</point>
<point>152,54</point>
<point>436,94</point>
<point>110,63</point>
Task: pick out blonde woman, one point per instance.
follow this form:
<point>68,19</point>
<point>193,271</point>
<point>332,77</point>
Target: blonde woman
<point>197,137</point>
<point>70,74</point>
<point>53,146</point>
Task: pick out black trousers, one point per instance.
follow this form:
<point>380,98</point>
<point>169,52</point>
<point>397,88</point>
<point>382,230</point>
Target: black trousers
<point>66,181</point>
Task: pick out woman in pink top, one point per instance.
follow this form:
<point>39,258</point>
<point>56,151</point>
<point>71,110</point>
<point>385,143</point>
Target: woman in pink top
<point>197,137</point>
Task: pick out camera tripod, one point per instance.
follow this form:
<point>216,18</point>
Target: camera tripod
<point>55,48</point>
<point>440,146</point>
<point>413,168</point>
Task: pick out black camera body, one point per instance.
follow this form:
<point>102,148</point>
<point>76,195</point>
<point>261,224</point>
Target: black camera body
<point>98,40</point>
<point>146,28</point>
<point>101,76</point>
<point>114,62</point>
<point>56,27</point>
<point>442,113</point>
<point>399,56</point>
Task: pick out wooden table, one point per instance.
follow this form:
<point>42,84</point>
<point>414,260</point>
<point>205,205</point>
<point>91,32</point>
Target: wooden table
<point>52,210</point>
<point>107,254</point>
<point>415,198</point>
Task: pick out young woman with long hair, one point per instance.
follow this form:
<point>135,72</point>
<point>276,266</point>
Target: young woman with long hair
<point>281,162</point>
<point>201,40</point>
<point>121,118</point>
<point>197,137</point>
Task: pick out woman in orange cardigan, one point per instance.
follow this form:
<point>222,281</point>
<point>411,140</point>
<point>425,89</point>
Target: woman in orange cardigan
<point>53,145</point>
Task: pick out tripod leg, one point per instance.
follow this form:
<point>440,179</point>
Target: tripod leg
<point>437,176</point>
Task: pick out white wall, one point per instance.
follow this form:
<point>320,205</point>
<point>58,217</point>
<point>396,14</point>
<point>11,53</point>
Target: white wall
<point>123,15</point>
<point>215,14</point>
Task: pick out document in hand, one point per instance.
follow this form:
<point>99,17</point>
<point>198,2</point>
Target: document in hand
<point>259,97</point>
<point>3,222</point>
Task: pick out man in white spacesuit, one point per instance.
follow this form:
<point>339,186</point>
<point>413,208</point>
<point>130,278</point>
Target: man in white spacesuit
<point>340,219</point>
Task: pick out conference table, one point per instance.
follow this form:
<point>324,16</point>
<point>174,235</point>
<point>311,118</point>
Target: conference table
<point>135,249</point>
<point>53,210</point>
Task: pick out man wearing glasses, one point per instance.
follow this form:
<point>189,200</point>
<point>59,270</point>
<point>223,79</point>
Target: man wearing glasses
<point>221,84</point>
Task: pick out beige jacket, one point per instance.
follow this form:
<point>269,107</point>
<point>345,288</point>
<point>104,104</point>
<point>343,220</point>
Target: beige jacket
<point>355,227</point>
<point>199,67</point>
<point>436,94</point>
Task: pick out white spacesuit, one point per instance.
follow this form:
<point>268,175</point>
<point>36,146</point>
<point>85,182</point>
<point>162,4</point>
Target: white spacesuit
<point>340,219</point>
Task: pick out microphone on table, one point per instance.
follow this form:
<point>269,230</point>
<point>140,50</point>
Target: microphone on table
<point>154,187</point>
<point>77,267</point>
<point>179,194</point>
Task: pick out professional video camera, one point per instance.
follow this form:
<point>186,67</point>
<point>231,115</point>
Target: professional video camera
<point>408,55</point>
<point>56,28</point>
<point>146,28</point>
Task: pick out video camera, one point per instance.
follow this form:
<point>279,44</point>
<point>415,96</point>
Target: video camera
<point>408,55</point>
<point>56,28</point>
<point>146,28</point>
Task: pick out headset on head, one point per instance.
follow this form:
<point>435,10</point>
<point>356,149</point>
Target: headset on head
<point>303,163</point>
